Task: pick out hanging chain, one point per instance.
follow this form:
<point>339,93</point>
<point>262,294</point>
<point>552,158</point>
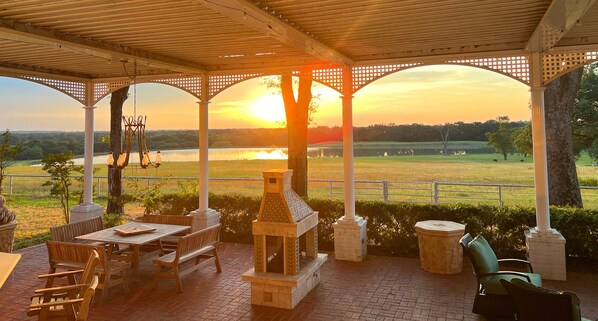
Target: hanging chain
<point>135,89</point>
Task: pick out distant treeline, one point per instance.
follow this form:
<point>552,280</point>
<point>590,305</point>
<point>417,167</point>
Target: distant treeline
<point>38,144</point>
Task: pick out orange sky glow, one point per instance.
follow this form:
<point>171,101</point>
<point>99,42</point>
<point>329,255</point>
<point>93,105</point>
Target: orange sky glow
<point>426,95</point>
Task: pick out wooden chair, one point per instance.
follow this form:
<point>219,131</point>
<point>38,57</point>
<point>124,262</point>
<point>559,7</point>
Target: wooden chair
<point>72,256</point>
<point>69,302</point>
<point>492,300</point>
<point>194,246</point>
<point>169,243</point>
<point>68,232</point>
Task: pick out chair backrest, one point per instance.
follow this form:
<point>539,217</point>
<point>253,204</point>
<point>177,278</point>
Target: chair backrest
<point>539,304</point>
<point>74,255</point>
<point>82,310</point>
<point>90,267</point>
<point>480,254</point>
<point>197,240</point>
<point>168,219</point>
<point>68,232</point>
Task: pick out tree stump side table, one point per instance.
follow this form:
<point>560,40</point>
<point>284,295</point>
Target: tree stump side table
<point>439,248</point>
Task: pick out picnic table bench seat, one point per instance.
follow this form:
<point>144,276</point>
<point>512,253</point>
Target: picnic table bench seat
<point>69,232</point>
<point>198,245</point>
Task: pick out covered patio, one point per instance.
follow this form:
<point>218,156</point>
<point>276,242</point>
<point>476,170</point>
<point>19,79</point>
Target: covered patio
<point>378,288</point>
<point>83,49</point>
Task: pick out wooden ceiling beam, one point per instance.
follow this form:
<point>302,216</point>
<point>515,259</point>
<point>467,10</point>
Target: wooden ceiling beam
<point>17,31</point>
<point>244,12</point>
<point>561,16</point>
<point>27,70</point>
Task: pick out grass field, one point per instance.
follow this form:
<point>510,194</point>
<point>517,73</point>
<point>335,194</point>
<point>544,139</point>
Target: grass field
<point>37,211</point>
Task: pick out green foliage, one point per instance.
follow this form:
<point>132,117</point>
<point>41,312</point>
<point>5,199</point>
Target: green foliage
<point>522,139</point>
<point>111,220</point>
<point>502,139</point>
<point>588,181</point>
<point>8,153</point>
<point>391,225</point>
<point>585,114</point>
<point>60,167</point>
<point>146,191</point>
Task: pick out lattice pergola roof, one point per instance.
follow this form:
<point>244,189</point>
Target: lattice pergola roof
<point>213,44</point>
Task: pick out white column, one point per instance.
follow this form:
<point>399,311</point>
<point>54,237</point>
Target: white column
<point>546,246</point>
<point>350,233</point>
<point>88,157</point>
<point>87,209</point>
<point>203,156</point>
<point>540,162</point>
<point>348,164</point>
<point>204,216</point>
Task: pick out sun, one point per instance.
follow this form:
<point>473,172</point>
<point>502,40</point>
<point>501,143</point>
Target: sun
<point>268,109</point>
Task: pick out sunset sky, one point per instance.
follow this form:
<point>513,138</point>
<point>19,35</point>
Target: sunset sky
<point>426,95</point>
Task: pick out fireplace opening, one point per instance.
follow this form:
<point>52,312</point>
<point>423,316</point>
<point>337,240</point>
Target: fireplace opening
<point>274,254</point>
<point>304,259</point>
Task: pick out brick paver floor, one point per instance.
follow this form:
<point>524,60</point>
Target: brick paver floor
<point>380,288</point>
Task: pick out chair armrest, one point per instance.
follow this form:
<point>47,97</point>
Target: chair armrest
<point>529,265</point>
<point>59,274</point>
<point>523,275</point>
<point>55,303</point>
<point>61,288</point>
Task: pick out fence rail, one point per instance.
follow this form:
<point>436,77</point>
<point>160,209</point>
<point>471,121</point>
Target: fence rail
<point>387,191</point>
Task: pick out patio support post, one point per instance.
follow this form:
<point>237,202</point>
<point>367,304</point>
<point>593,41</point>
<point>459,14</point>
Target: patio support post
<point>87,209</point>
<point>350,237</point>
<point>546,246</point>
<point>204,217</point>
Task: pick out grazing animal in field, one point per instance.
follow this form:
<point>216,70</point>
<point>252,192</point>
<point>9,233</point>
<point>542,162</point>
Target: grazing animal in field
<point>495,160</point>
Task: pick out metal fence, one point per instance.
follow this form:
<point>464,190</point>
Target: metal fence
<point>387,191</point>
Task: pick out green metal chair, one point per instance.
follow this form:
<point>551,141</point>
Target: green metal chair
<point>492,300</point>
<point>536,303</point>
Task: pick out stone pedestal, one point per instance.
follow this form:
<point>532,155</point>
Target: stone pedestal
<point>85,211</point>
<point>204,219</point>
<point>350,239</point>
<point>439,248</point>
<point>7,236</point>
<point>284,291</point>
<point>546,253</point>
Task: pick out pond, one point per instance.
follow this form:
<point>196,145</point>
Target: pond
<point>191,155</point>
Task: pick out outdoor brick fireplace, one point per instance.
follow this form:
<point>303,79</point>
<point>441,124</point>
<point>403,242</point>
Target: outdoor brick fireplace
<point>285,240</point>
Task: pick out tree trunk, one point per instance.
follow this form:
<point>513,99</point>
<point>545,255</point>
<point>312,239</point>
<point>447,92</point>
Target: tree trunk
<point>559,99</point>
<point>297,114</point>
<point>115,205</point>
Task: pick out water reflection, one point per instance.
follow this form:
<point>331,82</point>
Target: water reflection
<point>192,155</point>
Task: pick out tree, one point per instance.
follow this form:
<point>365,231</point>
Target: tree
<point>117,99</point>
<point>522,140</point>
<point>502,139</point>
<point>7,154</point>
<point>444,134</point>
<point>299,114</point>
<point>559,101</point>
<point>585,114</point>
<point>60,167</point>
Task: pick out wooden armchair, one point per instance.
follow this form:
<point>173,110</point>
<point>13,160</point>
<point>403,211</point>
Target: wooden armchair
<point>72,256</point>
<point>69,302</point>
<point>492,300</point>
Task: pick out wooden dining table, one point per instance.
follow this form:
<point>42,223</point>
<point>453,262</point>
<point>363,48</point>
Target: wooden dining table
<point>8,261</point>
<point>135,241</point>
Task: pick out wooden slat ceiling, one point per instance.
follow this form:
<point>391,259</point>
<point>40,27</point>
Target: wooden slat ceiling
<point>196,36</point>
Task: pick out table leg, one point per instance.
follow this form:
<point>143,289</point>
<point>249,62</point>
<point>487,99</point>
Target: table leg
<point>135,263</point>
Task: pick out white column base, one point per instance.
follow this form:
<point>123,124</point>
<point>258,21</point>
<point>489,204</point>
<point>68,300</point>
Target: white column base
<point>546,253</point>
<point>204,219</point>
<point>350,239</point>
<point>85,211</point>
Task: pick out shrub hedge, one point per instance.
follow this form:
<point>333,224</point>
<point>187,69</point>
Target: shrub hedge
<point>391,225</point>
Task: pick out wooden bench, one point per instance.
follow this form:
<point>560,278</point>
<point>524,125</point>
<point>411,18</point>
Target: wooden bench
<point>169,243</point>
<point>197,245</point>
<point>73,256</point>
<point>68,232</point>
